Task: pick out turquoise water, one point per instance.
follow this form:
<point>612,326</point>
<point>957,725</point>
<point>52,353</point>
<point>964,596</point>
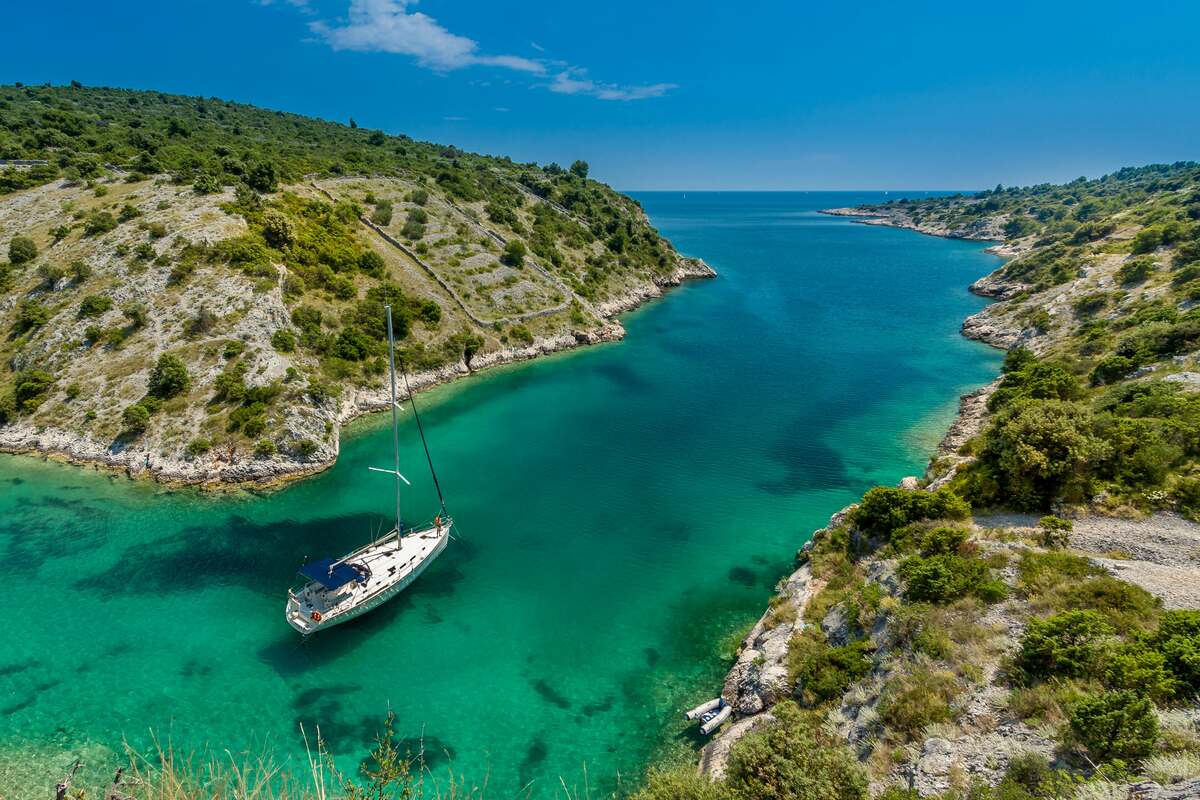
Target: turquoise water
<point>621,509</point>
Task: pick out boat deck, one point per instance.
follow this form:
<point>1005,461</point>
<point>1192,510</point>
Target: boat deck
<point>388,563</point>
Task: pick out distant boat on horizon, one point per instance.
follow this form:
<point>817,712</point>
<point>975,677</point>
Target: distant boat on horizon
<point>338,590</point>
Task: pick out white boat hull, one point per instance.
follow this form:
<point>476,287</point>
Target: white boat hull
<point>393,567</point>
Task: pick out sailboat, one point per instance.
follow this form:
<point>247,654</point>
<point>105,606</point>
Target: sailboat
<point>338,590</point>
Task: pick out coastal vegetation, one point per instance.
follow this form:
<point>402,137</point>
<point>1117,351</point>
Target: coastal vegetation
<point>965,638</point>
<point>258,249</point>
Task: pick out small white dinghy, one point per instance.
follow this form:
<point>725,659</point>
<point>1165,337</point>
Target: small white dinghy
<point>338,590</point>
<point>711,714</point>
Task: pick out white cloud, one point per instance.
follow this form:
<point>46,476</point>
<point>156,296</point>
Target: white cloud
<point>388,26</point>
<point>575,81</point>
<point>392,26</point>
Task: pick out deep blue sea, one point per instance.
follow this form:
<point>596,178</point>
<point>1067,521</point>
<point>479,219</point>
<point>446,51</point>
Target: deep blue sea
<point>622,509</point>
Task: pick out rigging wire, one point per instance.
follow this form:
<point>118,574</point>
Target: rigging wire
<point>421,430</point>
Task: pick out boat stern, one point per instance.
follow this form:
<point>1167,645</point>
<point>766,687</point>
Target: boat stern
<point>300,615</point>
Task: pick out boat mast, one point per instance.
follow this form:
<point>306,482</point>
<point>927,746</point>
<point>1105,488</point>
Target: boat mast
<point>395,426</point>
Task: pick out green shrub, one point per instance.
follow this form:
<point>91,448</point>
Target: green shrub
<point>283,340</point>
<point>412,230</point>
<point>521,334</point>
<point>793,759</point>
<point>277,229</point>
<point>264,448</point>
<point>943,542</point>
<point>1178,639</point>
<point>1055,531</point>
<point>1030,777</point>
<point>99,222</point>
<point>31,314</point>
<point>1026,377</point>
<point>206,183</point>
<point>1041,450</point>
<point>127,213</point>
<point>514,253</point>
<point>1090,304</point>
<point>80,270</point>
<point>198,446</point>
<point>372,263</point>
<point>943,578</point>
<point>884,509</point>
<point>1125,606</point>
<point>94,305</point>
<point>1135,270</point>
<point>169,377</point>
<point>136,417</point>
<point>233,348</point>
<point>1040,572</point>
<point>683,783</point>
<point>1114,725</point>
<point>1132,666</point>
<point>382,215</point>
<point>30,389</point>
<point>1066,645</point>
<point>823,673</point>
<point>305,448</point>
<point>22,250</point>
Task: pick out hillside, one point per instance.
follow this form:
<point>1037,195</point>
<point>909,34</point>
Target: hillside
<point>1024,621</point>
<point>195,288</point>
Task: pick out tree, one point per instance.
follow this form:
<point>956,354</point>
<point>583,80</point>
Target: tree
<point>1041,450</point>
<point>21,250</point>
<point>169,377</point>
<point>580,169</point>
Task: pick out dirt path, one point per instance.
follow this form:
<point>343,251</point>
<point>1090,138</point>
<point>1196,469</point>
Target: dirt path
<point>1160,553</point>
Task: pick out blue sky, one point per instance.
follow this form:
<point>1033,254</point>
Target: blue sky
<point>665,94</point>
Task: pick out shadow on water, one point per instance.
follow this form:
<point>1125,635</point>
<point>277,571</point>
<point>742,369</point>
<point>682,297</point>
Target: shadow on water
<point>238,552</point>
<point>51,527</point>
<point>536,752</point>
<point>550,694</point>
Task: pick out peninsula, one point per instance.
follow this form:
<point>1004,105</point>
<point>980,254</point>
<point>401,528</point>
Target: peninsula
<point>194,288</point>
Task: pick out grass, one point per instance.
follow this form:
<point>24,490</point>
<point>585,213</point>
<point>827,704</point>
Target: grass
<point>1172,767</point>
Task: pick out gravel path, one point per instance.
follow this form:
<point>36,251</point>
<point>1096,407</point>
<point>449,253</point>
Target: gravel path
<point>1160,553</point>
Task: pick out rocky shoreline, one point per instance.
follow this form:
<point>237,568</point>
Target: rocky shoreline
<point>758,677</point>
<point>216,472</point>
<point>985,230</point>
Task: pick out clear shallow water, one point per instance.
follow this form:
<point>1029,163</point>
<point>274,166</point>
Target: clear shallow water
<point>622,508</point>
